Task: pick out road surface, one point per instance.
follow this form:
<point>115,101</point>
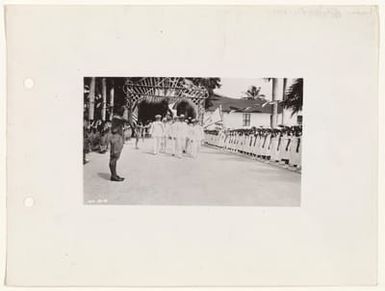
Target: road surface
<point>213,178</point>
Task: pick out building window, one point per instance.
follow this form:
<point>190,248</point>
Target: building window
<point>246,119</point>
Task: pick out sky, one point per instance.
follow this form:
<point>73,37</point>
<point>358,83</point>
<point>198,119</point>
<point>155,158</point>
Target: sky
<point>235,88</point>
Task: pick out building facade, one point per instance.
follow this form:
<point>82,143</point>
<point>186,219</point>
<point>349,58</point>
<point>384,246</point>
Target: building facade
<point>243,113</point>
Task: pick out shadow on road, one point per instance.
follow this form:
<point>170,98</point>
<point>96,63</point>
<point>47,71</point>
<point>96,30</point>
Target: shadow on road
<point>105,176</point>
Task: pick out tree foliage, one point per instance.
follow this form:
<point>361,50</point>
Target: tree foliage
<point>119,96</point>
<point>253,93</point>
<point>210,84</point>
<point>294,96</point>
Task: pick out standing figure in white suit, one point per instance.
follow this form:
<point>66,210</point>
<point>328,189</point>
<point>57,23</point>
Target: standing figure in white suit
<point>157,133</point>
<point>172,133</point>
<point>191,139</point>
<point>200,135</point>
<point>186,130</point>
<point>166,133</point>
<point>180,136</point>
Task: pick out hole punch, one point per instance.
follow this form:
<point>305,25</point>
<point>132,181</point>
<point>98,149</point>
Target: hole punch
<point>29,83</point>
<point>29,202</point>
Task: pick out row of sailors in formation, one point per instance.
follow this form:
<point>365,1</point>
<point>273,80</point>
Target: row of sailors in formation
<point>177,135</point>
<point>280,145</point>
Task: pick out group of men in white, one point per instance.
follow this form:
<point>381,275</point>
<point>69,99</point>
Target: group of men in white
<point>176,136</point>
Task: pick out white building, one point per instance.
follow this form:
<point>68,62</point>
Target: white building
<point>243,113</point>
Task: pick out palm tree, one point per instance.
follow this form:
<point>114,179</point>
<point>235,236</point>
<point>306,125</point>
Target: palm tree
<point>90,97</point>
<point>101,96</point>
<point>253,93</point>
<point>294,96</point>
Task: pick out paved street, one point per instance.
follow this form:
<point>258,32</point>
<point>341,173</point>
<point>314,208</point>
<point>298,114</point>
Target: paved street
<point>214,178</point>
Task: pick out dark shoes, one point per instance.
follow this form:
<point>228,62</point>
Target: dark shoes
<point>117,179</point>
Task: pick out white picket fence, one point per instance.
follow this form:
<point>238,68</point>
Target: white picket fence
<point>284,150</point>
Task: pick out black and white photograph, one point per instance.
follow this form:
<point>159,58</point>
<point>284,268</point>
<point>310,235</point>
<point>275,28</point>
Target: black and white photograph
<point>194,146</point>
<point>192,141</point>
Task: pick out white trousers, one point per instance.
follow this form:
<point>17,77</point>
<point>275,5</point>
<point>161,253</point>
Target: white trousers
<point>156,144</point>
<point>164,144</point>
<point>173,145</point>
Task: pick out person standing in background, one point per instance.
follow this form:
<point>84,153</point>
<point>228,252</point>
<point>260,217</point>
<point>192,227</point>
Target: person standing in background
<point>195,138</point>
<point>173,131</point>
<point>185,133</point>
<point>190,147</point>
<point>157,133</point>
<point>138,133</point>
<point>200,135</point>
<point>178,131</point>
<point>166,132</point>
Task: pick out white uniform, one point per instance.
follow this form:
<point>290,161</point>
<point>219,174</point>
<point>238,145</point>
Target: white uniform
<point>157,132</point>
<point>257,148</point>
<point>250,142</point>
<point>196,136</point>
<point>180,136</point>
<point>295,151</point>
<point>185,130</point>
<point>263,144</point>
<point>283,155</point>
<point>165,136</point>
<point>299,153</point>
<point>288,144</point>
<point>200,136</point>
<point>172,134</point>
<point>267,147</point>
<point>274,148</point>
<point>191,140</point>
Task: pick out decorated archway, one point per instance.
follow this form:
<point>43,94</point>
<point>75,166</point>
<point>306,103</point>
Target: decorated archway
<point>155,89</point>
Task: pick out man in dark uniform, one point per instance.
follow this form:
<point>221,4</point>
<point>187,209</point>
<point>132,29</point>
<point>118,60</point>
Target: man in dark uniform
<point>116,142</point>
